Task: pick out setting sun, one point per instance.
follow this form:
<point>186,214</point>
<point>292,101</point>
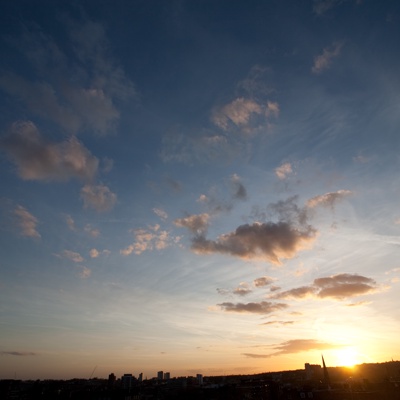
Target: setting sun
<point>347,357</point>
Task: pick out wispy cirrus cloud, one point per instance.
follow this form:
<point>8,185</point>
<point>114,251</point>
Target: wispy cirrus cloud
<point>294,346</point>
<point>160,213</point>
<point>38,159</point>
<point>323,61</point>
<point>263,307</point>
<point>98,197</point>
<point>26,222</point>
<point>338,287</point>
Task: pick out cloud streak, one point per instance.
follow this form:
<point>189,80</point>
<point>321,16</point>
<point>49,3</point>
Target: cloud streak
<point>323,61</point>
<point>337,287</point>
<point>263,307</point>
<point>294,346</point>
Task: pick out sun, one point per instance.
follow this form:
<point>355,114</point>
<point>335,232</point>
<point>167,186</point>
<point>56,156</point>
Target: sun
<point>347,357</point>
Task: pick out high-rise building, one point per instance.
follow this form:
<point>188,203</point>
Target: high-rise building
<point>160,375</point>
<point>140,379</point>
<point>127,381</point>
<point>167,376</point>
<point>199,379</point>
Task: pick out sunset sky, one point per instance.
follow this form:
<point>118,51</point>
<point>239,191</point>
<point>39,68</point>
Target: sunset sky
<point>198,186</point>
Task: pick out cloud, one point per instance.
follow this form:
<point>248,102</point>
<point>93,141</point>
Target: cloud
<point>70,222</point>
<point>98,197</point>
<point>17,353</point>
<point>263,281</point>
<point>263,307</point>
<point>160,213</point>
<point>239,189</point>
<point>94,232</point>
<point>243,289</point>
<point>84,272</point>
<point>283,171</point>
<point>94,253</point>
<point>196,223</point>
<point>72,255</point>
<point>151,239</point>
<point>278,323</point>
<point>338,287</point>
<point>26,222</point>
<point>324,60</point>
<point>237,112</point>
<point>267,241</point>
<point>37,159</point>
<point>295,346</point>
<point>272,109</point>
<point>77,91</point>
<point>328,199</point>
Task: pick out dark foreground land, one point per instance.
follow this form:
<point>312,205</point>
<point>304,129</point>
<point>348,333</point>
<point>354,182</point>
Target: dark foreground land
<point>366,381</point>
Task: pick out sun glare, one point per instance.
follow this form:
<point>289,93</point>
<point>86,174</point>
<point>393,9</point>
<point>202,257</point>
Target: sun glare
<point>347,357</point>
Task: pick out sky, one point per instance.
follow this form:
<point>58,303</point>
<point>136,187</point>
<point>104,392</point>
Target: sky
<point>198,186</point>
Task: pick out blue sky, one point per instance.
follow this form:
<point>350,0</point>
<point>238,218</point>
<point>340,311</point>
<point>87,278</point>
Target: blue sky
<point>198,187</point>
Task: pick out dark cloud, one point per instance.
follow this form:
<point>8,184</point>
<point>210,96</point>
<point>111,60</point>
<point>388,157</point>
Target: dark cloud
<point>37,159</point>
<point>17,353</point>
<point>240,191</point>
<point>294,346</point>
<point>264,307</point>
<point>269,241</point>
<point>338,287</point>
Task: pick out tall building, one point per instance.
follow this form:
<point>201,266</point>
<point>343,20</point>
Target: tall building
<point>140,377</point>
<point>199,379</point>
<point>167,376</point>
<point>160,375</point>
<point>127,381</point>
<point>313,371</point>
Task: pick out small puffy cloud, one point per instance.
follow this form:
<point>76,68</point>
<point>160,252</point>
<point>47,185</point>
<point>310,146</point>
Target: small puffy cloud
<point>324,60</point>
<point>263,307</point>
<point>263,281</point>
<point>295,346</point>
<point>283,171</point>
<point>338,287</point>
<point>268,241</point>
<point>152,238</point>
<point>72,255</point>
<point>196,223</point>
<point>94,232</point>
<point>94,253</point>
<point>17,353</point>
<point>26,222</point>
<point>37,159</point>
<point>328,199</point>
<point>238,187</point>
<point>204,199</point>
<point>98,197</point>
<point>243,289</point>
<point>160,213</point>
<point>237,112</point>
